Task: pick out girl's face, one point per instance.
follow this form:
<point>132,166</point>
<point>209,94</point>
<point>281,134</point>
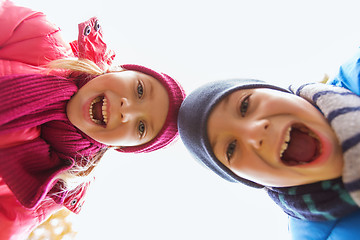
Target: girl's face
<point>120,109</point>
<point>274,138</point>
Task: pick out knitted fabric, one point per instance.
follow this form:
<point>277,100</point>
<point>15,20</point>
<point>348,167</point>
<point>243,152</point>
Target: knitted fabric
<point>329,200</point>
<point>317,201</point>
<point>29,169</point>
<point>193,117</point>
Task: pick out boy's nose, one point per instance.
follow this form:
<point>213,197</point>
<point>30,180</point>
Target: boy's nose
<point>255,132</point>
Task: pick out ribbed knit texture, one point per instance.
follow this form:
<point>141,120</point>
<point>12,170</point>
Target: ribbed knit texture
<point>331,199</point>
<point>36,100</point>
<point>29,101</point>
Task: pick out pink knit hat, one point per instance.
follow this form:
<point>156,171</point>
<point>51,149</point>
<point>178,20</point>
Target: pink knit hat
<point>169,131</point>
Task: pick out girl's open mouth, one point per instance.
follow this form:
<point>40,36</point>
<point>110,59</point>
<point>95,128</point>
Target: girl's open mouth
<point>98,110</point>
<point>301,146</point>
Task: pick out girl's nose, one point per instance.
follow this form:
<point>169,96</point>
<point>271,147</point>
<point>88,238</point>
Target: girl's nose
<point>256,132</point>
<point>125,110</point>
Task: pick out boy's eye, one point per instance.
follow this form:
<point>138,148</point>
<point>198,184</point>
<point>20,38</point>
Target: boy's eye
<point>244,106</point>
<point>141,129</point>
<point>140,89</point>
<point>230,150</point>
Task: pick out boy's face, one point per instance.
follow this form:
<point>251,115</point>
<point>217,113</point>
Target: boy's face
<point>125,108</point>
<point>274,138</point>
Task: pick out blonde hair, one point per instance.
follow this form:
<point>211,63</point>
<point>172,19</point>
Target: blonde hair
<point>75,65</point>
<point>82,171</point>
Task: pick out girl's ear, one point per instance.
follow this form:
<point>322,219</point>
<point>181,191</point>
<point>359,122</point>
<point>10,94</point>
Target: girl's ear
<point>117,148</point>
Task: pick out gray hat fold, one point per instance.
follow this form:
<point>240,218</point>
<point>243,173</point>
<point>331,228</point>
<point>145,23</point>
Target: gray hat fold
<point>193,117</point>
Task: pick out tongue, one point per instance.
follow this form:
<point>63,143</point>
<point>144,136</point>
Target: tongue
<point>301,148</point>
<point>97,111</point>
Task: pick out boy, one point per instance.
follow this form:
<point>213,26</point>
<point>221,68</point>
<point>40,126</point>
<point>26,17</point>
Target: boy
<point>300,145</point>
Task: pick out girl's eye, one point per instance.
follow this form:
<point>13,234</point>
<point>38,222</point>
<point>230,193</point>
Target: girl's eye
<point>230,150</point>
<point>244,106</point>
<point>140,89</point>
<point>141,129</point>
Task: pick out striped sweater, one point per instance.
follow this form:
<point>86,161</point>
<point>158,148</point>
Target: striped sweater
<point>334,198</point>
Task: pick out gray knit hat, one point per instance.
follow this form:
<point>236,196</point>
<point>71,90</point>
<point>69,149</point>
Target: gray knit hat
<point>193,117</point>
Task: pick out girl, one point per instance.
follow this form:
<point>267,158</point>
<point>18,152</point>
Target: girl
<point>301,145</point>
<point>55,127</point>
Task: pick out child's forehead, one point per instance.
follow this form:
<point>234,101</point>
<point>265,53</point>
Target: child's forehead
<point>249,90</point>
<point>237,95</point>
<point>238,92</point>
<point>142,72</point>
<point>131,73</point>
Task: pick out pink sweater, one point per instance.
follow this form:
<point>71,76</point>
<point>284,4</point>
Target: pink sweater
<point>36,100</point>
<point>27,43</point>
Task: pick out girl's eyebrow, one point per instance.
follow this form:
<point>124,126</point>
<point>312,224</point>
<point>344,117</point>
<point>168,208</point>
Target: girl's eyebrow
<point>151,88</point>
<point>151,128</point>
<point>148,87</point>
<point>150,95</point>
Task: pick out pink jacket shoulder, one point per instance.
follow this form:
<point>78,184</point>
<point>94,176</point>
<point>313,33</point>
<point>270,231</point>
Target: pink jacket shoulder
<point>18,36</point>
<point>17,222</point>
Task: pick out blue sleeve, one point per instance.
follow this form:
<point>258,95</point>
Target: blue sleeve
<point>349,75</point>
<point>347,227</point>
<point>343,229</point>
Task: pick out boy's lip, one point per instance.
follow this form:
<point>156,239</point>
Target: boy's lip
<point>323,150</point>
<point>283,138</point>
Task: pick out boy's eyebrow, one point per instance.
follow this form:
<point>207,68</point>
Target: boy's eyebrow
<point>213,144</point>
<point>224,103</point>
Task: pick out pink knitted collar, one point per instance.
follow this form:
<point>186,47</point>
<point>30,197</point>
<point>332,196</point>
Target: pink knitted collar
<point>29,169</point>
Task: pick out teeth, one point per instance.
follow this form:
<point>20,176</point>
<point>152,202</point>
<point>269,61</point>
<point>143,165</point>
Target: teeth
<point>286,142</point>
<point>303,129</point>
<point>104,110</point>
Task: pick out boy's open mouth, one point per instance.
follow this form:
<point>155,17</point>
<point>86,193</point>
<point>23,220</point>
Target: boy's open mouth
<point>301,146</point>
<point>98,110</point>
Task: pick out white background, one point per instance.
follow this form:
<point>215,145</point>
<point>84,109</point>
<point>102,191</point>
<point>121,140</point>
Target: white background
<point>167,195</point>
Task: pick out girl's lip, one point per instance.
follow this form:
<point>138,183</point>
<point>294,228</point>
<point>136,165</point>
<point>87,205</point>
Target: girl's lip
<point>86,108</point>
<point>325,147</point>
<point>86,112</point>
<point>325,151</point>
<point>107,109</point>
